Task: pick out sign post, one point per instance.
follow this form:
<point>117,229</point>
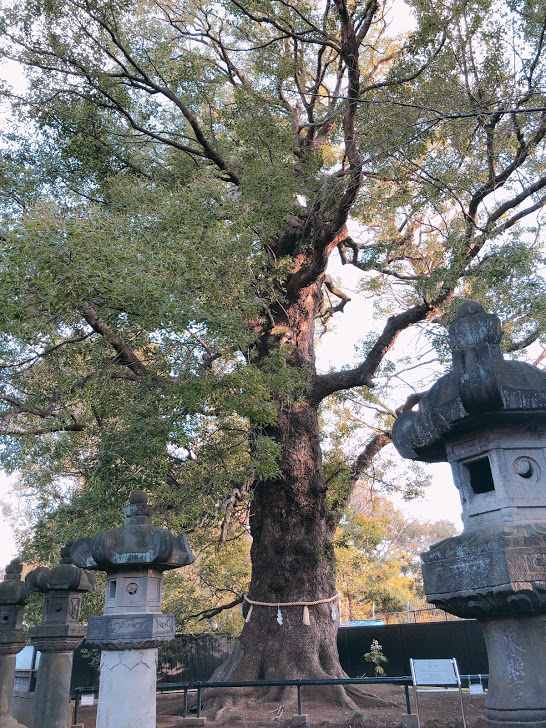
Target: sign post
<point>436,676</point>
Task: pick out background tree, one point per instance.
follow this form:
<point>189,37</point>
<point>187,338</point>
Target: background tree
<point>377,556</point>
<point>184,174</point>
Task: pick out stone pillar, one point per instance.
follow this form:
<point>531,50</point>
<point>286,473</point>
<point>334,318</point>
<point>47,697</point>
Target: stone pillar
<point>517,695</point>
<point>52,693</point>
<point>57,637</point>
<point>487,418</point>
<point>134,558</point>
<point>127,688</point>
<point>13,597</point>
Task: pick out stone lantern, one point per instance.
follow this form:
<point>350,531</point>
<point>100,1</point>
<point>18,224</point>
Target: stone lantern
<point>134,558</point>
<point>487,418</point>
<point>57,637</point>
<point>13,597</point>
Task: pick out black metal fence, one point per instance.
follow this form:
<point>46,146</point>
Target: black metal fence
<point>193,658</point>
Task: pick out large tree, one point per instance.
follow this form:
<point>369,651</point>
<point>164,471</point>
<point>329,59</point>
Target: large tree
<point>183,174</point>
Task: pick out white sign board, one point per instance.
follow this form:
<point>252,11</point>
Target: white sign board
<point>434,672</point>
<point>87,700</point>
<point>475,689</point>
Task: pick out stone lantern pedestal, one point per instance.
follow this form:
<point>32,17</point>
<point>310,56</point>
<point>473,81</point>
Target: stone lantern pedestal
<point>134,558</point>
<point>13,597</point>
<point>57,637</point>
<point>487,418</point>
<point>497,577</point>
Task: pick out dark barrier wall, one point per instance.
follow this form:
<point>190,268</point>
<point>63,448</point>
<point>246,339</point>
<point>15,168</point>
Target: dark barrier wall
<point>186,658</point>
<point>461,639</point>
<point>195,657</point>
<point>190,657</point>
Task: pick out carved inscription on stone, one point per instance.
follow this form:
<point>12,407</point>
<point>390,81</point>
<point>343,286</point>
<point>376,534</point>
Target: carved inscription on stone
<point>163,623</point>
<point>74,608</point>
<point>536,566</point>
<point>514,661</point>
<point>127,625</point>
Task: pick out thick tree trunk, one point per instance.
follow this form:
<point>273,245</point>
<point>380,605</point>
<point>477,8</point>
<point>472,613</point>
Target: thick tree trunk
<point>293,560</point>
<point>292,552</point>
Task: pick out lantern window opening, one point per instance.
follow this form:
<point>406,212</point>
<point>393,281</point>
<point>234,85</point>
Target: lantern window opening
<point>112,589</point>
<point>481,477</point>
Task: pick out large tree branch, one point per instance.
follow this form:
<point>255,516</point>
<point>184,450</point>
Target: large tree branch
<point>152,87</point>
<point>335,291</point>
<point>323,385</point>
<point>372,448</point>
<point>208,613</point>
<point>499,179</point>
<point>523,343</point>
<point>142,81</point>
<point>43,431</point>
<point>125,356</point>
<point>305,36</point>
<point>513,202</point>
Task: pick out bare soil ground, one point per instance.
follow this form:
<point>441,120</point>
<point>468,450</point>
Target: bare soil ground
<point>437,710</point>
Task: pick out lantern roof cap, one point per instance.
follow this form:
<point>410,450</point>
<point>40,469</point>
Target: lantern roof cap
<point>64,577</point>
<point>138,544</point>
<point>13,590</point>
<point>482,389</point>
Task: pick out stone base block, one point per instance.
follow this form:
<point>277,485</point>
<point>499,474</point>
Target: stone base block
<point>299,721</point>
<point>409,720</point>
<point>77,725</point>
<point>191,721</point>
<point>9,722</point>
<point>514,723</point>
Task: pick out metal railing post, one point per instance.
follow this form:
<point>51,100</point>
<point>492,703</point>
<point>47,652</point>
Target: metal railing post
<point>76,703</point>
<point>299,699</point>
<point>199,701</point>
<point>185,705</point>
<point>408,703</point>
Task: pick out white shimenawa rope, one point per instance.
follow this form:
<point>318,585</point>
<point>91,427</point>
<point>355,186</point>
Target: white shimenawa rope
<point>305,606</point>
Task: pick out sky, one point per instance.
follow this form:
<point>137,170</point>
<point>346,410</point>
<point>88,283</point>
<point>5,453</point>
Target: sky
<point>337,349</point>
<point>441,500</point>
<point>8,547</point>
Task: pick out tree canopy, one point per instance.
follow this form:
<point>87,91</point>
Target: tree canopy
<point>177,180</point>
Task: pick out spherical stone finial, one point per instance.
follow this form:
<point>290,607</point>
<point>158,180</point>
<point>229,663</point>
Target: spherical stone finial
<point>65,553</point>
<point>138,496</point>
<point>14,567</point>
<point>468,308</point>
<point>139,509</point>
<point>13,590</point>
<point>474,326</point>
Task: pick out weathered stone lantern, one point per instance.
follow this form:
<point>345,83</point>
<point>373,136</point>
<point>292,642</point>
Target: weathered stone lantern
<point>57,637</point>
<point>134,558</point>
<point>487,418</point>
<point>13,597</point>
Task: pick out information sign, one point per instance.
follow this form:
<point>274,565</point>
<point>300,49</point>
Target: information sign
<point>435,672</point>
<point>433,676</point>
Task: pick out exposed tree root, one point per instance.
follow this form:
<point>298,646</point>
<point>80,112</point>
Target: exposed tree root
<point>219,703</point>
